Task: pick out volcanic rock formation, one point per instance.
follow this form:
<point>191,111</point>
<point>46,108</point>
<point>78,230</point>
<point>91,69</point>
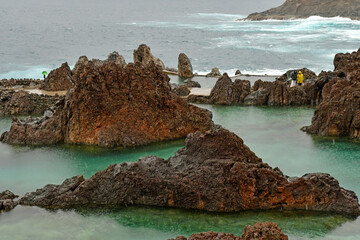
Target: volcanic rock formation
<point>278,93</point>
<point>59,79</point>
<point>23,103</point>
<point>306,8</point>
<point>114,106</point>
<point>308,75</point>
<point>259,231</point>
<point>7,201</point>
<point>214,172</point>
<point>185,69</point>
<point>215,72</point>
<point>339,112</point>
<point>144,56</point>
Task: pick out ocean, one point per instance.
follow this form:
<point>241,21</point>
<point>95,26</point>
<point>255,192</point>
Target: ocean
<point>39,35</point>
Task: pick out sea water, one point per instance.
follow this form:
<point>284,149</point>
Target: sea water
<point>271,132</point>
<point>39,35</point>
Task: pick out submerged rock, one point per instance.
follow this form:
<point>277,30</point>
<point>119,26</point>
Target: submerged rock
<point>339,112</point>
<point>214,172</point>
<point>114,106</point>
<point>259,231</point>
<point>306,8</point>
<point>144,56</point>
<point>215,72</point>
<point>185,69</point>
<point>7,201</point>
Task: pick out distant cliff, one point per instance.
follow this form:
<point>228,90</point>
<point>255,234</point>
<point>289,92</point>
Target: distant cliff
<point>306,8</point>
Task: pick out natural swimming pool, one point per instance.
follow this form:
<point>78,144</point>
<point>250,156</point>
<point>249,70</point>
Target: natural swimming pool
<point>272,133</point>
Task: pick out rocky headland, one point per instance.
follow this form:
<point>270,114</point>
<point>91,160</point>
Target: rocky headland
<point>112,104</point>
<point>339,112</point>
<point>214,172</point>
<point>305,8</point>
<point>259,231</point>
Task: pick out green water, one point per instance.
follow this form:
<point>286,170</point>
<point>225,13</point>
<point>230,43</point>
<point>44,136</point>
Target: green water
<point>272,133</point>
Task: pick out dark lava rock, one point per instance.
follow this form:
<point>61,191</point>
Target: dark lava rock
<point>114,106</point>
<point>192,84</point>
<point>238,72</point>
<point>185,69</point>
<point>144,56</point>
<point>339,112</point>
<point>7,200</point>
<point>306,8</point>
<point>225,92</point>
<point>180,90</point>
<point>215,72</point>
<point>259,231</point>
<point>214,172</point>
<point>59,79</point>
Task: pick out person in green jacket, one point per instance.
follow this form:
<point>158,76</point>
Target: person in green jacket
<point>300,78</point>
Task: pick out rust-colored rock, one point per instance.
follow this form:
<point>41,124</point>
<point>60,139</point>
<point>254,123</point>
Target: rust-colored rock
<point>144,56</point>
<point>214,172</point>
<point>59,79</point>
<point>263,231</point>
<point>259,231</point>
<point>339,112</point>
<point>114,106</point>
<point>185,69</point>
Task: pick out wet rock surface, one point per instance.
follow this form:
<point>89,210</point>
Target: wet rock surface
<point>259,231</point>
<point>144,56</point>
<point>214,172</point>
<point>114,106</point>
<point>339,112</point>
<point>7,201</point>
<point>306,8</point>
<point>185,69</point>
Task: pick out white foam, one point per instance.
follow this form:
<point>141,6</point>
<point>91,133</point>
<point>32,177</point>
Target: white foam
<point>32,72</point>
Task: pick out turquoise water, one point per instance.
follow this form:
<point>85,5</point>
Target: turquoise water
<point>272,133</point>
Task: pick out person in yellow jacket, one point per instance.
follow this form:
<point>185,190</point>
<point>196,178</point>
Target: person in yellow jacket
<point>300,78</point>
